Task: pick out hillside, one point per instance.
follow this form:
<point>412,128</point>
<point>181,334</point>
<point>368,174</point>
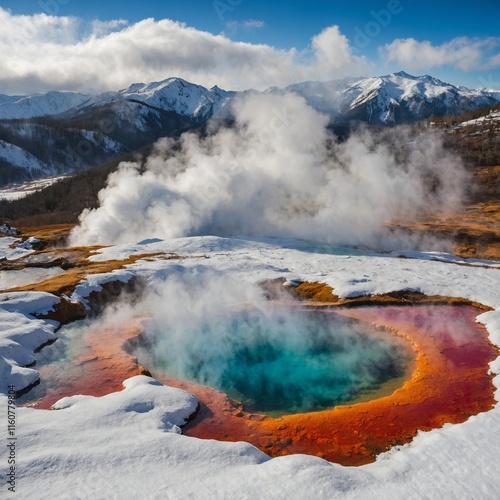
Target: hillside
<point>63,201</point>
<point>475,136</point>
<point>64,144</point>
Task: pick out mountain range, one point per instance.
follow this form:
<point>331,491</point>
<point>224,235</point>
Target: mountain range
<point>61,132</point>
<point>392,99</point>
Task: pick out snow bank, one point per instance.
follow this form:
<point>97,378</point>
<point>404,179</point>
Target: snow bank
<point>11,249</point>
<point>21,334</point>
<point>94,283</point>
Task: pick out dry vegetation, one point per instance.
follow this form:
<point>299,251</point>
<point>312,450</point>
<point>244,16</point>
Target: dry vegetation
<point>321,294</point>
<point>474,228</point>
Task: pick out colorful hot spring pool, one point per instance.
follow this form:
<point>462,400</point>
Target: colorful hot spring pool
<point>281,361</point>
<point>345,384</point>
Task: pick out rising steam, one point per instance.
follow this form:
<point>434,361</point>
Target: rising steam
<point>277,171</point>
<point>205,327</point>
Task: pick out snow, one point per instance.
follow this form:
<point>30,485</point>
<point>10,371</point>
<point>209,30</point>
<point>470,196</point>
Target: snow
<point>196,101</point>
<point>94,282</point>
<point>351,272</point>
<point>27,276</point>
<point>96,138</point>
<point>21,334</point>
<point>172,94</point>
<point>12,249</point>
<point>6,229</point>
<point>401,87</point>
<point>444,257</point>
<point>175,94</point>
<point>52,103</point>
<point>141,395</point>
<point>141,114</point>
<point>493,116</point>
<point>23,159</point>
<point>127,444</point>
<point>117,447</point>
<point>18,191</point>
<point>28,303</point>
<point>141,104</point>
<point>28,244</point>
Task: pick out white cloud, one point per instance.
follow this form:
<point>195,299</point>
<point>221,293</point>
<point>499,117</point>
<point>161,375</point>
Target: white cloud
<point>462,53</point>
<point>333,53</point>
<point>254,24</point>
<point>28,31</point>
<point>493,62</point>
<point>249,24</point>
<point>42,52</point>
<point>100,28</point>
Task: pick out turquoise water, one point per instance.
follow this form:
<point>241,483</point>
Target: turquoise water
<point>280,363</point>
<point>58,363</point>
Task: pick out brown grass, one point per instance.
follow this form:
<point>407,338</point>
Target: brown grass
<point>66,283</point>
<point>322,293</point>
<point>52,235</point>
<point>474,230</point>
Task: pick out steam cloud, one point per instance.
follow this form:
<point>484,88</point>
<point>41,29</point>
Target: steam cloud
<point>278,171</point>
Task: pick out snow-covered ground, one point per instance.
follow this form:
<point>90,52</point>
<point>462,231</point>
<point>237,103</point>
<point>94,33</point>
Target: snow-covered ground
<point>485,121</point>
<point>11,247</point>
<point>18,191</point>
<point>127,445</point>
<point>12,279</point>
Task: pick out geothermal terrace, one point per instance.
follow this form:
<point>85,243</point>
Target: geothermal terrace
<point>432,357</point>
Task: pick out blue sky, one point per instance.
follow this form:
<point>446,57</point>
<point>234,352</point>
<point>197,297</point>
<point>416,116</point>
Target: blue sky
<point>455,41</point>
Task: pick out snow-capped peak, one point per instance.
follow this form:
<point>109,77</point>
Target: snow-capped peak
<point>180,96</point>
<point>389,99</point>
<point>401,97</point>
<point>403,74</point>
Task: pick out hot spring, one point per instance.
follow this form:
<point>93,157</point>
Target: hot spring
<point>280,361</point>
<point>264,374</point>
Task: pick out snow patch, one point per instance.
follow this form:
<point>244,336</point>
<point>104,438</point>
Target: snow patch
<point>23,159</point>
<point>20,334</point>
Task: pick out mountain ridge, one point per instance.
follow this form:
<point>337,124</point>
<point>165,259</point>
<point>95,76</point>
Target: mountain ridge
<point>190,99</point>
<point>62,132</point>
